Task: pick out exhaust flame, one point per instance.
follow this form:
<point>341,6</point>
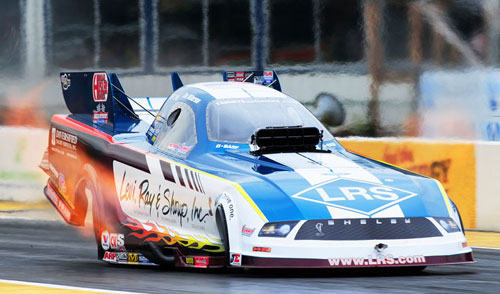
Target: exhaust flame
<point>24,109</point>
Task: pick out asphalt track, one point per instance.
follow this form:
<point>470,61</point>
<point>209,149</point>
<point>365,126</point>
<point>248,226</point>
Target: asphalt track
<point>54,253</point>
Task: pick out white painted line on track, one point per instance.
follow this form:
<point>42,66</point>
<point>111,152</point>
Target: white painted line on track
<point>66,287</point>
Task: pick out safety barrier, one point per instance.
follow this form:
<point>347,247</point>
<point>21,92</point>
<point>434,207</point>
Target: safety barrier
<point>469,171</point>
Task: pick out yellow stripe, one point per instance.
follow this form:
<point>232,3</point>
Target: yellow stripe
<point>483,239</point>
<point>28,289</point>
<point>445,197</point>
<point>12,206</point>
<point>250,201</point>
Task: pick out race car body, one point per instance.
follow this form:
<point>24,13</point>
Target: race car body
<point>235,173</point>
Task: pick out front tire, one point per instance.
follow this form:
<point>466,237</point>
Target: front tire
<point>220,218</point>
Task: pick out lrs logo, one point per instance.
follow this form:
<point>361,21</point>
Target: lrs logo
<point>356,196</point>
<point>358,193</point>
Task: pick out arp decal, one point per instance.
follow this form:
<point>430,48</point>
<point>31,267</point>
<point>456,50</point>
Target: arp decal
<point>359,197</point>
<point>109,256</point>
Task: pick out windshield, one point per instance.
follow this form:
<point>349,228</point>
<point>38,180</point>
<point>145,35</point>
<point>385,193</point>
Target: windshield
<point>236,120</point>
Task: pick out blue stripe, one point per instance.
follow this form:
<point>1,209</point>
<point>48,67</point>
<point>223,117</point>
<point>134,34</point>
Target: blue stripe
<point>150,105</point>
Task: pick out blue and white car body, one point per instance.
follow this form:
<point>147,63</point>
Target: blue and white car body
<point>200,184</point>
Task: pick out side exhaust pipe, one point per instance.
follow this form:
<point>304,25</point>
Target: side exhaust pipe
<point>155,254</point>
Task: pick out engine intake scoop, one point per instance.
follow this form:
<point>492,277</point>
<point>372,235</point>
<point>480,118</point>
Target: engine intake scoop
<point>286,139</point>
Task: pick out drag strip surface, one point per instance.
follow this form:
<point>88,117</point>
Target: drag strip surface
<point>54,253</point>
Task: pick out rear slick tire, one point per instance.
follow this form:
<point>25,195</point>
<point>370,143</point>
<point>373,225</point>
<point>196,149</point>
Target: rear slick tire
<point>96,219</point>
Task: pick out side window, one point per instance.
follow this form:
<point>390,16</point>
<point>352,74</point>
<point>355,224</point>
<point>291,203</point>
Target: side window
<point>178,134</point>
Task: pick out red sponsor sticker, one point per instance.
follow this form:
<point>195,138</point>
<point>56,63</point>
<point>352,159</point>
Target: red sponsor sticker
<point>247,231</point>
<point>201,261</point>
<point>61,207</point>
<point>109,256</point>
<point>240,76</point>
<point>100,87</point>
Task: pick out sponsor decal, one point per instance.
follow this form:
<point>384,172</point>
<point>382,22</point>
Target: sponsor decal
<point>100,87</point>
<point>224,197</point>
<point>144,260</point>
<point>133,258</point>
<point>65,82</point>
<point>62,183</point>
<point>258,80</point>
<point>61,207</point>
<point>122,257</point>
<point>357,196</point>
<point>319,229</point>
<point>268,76</point>
<point>100,115</point>
<point>112,241</point>
<point>63,139</point>
<point>179,148</point>
<point>191,97</point>
<point>109,256</point>
<point>247,231</point>
<point>53,136</point>
<point>147,197</point>
<point>230,75</point>
<point>235,259</point>
<point>227,146</point>
<point>53,170</point>
<point>261,249</point>
<point>189,260</point>
<point>379,259</point>
<point>201,261</point>
<point>239,76</point>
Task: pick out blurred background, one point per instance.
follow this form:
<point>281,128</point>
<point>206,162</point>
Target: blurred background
<point>365,67</point>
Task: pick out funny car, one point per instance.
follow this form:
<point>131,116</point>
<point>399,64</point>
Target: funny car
<point>235,173</point>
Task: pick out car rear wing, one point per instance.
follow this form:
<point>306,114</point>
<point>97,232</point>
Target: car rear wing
<point>267,78</point>
<point>99,96</point>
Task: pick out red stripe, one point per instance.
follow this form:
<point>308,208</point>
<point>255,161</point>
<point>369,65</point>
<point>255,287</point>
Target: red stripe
<point>69,122</point>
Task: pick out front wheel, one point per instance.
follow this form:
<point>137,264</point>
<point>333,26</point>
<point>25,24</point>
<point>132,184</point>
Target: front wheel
<point>220,218</point>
